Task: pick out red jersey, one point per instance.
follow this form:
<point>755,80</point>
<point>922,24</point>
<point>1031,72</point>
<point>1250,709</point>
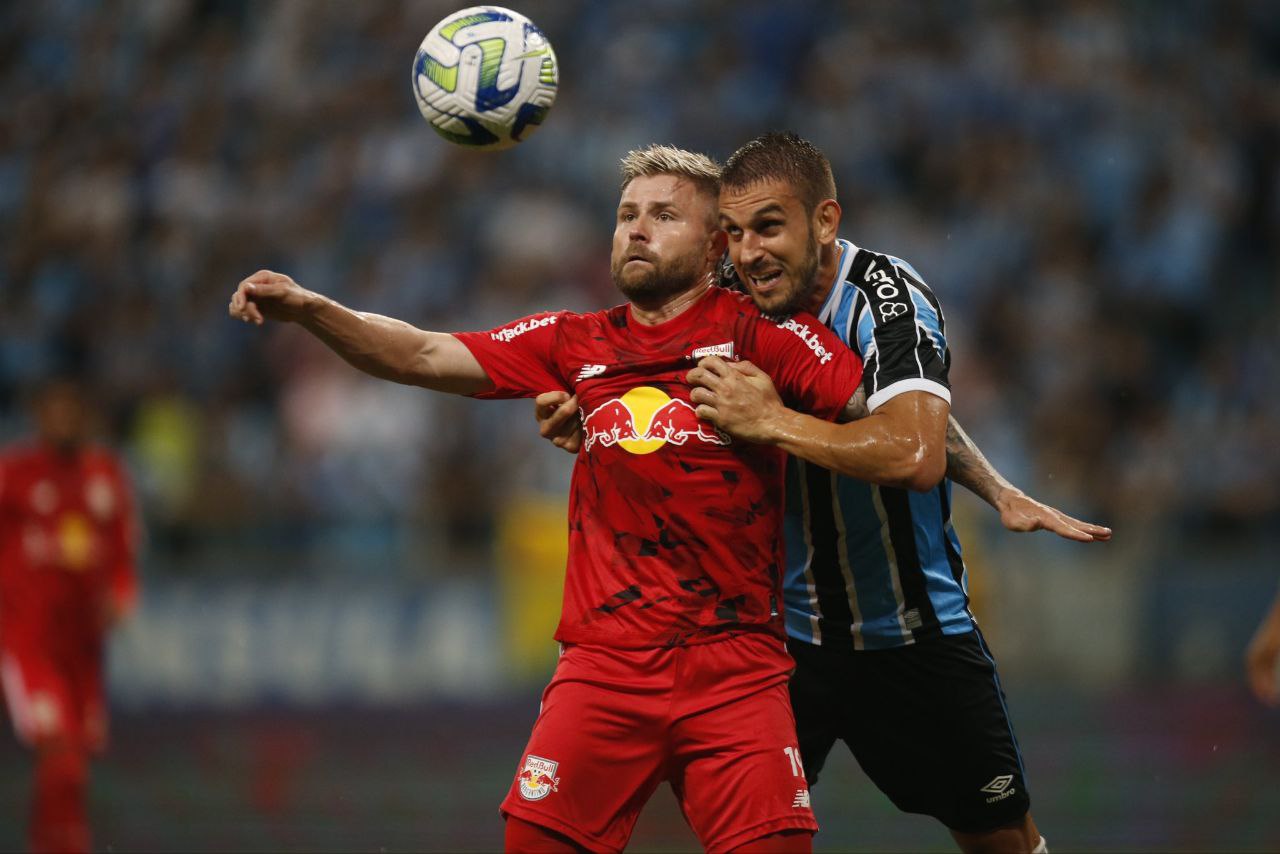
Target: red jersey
<point>67,543</point>
<point>675,531</point>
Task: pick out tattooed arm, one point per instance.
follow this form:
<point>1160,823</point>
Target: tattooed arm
<point>967,466</point>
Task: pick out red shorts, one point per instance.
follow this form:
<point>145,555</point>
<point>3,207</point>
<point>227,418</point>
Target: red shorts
<point>50,699</point>
<point>713,719</point>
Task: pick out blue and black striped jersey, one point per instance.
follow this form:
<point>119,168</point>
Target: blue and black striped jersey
<point>872,567</point>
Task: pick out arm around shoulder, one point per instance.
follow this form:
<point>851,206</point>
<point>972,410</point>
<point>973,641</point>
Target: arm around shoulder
<point>902,444</point>
<point>915,422</point>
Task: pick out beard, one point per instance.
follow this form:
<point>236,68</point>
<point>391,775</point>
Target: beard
<point>658,281</point>
<point>796,298</point>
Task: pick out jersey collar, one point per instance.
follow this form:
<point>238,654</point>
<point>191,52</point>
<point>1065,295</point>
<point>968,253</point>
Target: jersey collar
<point>847,253</point>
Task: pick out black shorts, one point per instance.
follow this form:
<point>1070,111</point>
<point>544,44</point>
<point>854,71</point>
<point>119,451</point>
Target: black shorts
<point>927,722</point>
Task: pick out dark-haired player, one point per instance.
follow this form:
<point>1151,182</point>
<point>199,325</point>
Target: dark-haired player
<point>67,550</point>
<point>674,665</point>
<point>889,658</point>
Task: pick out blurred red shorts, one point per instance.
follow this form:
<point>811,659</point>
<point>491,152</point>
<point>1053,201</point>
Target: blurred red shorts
<point>52,700</point>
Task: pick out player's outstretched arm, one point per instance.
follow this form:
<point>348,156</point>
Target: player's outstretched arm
<point>384,347</point>
<point>967,466</point>
<point>901,444</point>
<point>1262,658</point>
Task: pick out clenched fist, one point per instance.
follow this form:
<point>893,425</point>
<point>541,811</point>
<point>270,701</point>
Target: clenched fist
<point>271,296</point>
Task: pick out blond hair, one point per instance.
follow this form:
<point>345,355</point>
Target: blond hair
<point>669,160</point>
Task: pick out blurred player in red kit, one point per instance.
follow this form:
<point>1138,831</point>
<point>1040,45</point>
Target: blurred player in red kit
<point>67,549</point>
<point>673,665</point>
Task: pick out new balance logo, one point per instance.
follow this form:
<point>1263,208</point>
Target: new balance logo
<point>802,799</point>
<point>589,371</point>
<point>1000,788</point>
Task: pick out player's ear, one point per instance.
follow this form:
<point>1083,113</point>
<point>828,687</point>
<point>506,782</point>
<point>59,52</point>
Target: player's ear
<point>719,243</point>
<point>826,220</point>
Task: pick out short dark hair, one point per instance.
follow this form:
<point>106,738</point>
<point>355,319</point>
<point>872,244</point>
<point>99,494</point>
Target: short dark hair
<point>784,156</point>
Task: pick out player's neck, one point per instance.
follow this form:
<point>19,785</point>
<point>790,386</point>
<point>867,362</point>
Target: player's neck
<point>651,314</point>
<point>828,267</point>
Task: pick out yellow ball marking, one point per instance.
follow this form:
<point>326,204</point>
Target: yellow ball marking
<point>75,539</point>
<point>643,402</point>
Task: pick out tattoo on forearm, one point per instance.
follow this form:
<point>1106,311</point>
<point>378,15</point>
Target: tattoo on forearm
<point>967,466</point>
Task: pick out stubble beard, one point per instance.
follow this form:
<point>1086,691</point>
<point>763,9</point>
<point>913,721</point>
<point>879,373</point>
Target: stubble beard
<point>658,282</point>
<point>803,287</point>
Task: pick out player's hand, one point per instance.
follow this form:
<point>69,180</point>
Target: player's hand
<point>1262,658</point>
<point>270,296</point>
<point>737,397</point>
<point>557,414</point>
<point>1021,512</point>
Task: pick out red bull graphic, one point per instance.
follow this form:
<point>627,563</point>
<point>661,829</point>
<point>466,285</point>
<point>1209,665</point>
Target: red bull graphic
<point>538,778</point>
<point>643,420</point>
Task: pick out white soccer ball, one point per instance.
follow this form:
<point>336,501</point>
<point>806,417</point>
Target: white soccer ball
<point>485,77</point>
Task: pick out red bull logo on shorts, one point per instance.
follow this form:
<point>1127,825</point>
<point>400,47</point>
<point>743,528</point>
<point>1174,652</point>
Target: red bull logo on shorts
<point>643,420</point>
<point>537,778</point>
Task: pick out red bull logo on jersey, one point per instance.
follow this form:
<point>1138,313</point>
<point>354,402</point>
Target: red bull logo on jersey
<point>538,778</point>
<point>643,420</point>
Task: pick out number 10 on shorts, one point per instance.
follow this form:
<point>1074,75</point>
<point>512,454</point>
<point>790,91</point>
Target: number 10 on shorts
<point>797,767</point>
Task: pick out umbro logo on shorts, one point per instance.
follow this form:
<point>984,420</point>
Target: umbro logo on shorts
<point>999,784</point>
<point>1000,788</point>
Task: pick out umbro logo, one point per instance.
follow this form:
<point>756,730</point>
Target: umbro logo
<point>589,371</point>
<point>1000,788</point>
<point>999,784</point>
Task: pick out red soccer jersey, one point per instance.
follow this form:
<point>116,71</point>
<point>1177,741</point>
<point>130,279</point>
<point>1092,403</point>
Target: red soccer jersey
<point>67,543</point>
<point>674,530</point>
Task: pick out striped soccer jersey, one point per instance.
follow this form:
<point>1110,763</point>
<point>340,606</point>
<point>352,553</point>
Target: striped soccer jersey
<point>873,567</point>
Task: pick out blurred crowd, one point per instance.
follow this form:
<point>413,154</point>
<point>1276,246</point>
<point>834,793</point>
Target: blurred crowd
<point>1091,189</point>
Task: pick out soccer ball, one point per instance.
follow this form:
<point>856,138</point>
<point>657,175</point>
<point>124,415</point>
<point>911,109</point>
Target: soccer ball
<point>485,77</point>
